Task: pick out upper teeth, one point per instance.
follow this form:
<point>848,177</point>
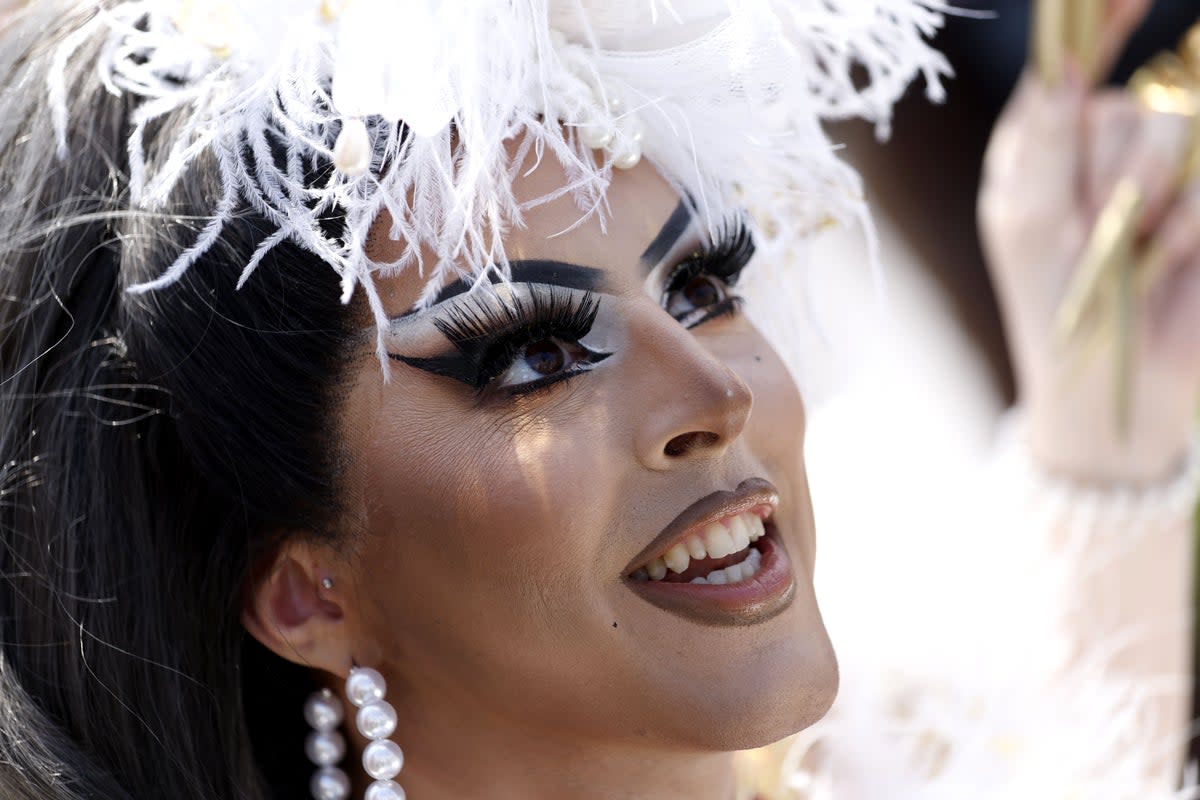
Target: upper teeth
<point>717,540</point>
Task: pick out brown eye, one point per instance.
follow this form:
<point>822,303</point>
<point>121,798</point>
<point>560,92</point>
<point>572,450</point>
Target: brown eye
<point>545,357</point>
<point>545,361</point>
<point>700,292</point>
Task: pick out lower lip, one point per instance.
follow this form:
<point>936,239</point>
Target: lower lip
<point>769,592</point>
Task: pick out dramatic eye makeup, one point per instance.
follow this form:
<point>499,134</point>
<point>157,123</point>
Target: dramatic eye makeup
<point>699,287</point>
<point>672,231</point>
<point>531,338</point>
<point>519,344</point>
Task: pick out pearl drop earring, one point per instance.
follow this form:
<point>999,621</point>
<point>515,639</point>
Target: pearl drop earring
<point>376,720</point>
<point>325,747</point>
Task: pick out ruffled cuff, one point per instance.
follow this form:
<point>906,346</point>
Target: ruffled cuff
<point>1082,505</point>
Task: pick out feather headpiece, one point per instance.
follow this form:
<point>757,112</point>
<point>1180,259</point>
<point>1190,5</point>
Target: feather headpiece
<point>427,107</point>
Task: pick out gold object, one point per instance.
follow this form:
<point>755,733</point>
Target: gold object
<point>1113,276</point>
<point>760,772</point>
<point>1170,83</point>
<point>1110,246</point>
<point>1167,84</point>
<point>332,9</point>
<point>1064,29</point>
<point>1126,302</point>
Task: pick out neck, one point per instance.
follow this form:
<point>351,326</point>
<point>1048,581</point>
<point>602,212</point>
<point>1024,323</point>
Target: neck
<point>474,756</point>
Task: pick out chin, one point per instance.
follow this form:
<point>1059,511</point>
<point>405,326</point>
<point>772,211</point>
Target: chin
<point>785,689</point>
<point>781,706</point>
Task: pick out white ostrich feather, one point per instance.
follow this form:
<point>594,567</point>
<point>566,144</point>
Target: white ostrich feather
<point>730,94</point>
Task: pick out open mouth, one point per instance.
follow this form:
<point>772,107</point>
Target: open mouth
<point>721,561</point>
<point>724,552</point>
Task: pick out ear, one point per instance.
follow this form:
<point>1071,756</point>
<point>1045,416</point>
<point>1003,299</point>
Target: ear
<point>287,608</point>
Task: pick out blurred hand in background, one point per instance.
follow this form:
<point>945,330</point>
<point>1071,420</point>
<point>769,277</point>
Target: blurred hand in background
<point>1055,158</point>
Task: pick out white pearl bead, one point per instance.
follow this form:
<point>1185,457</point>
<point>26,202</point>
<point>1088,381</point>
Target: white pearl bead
<point>365,685</point>
<point>615,104</point>
<point>352,150</point>
<point>596,135</point>
<point>384,790</point>
<point>383,759</point>
<point>323,711</point>
<point>628,157</point>
<point>329,783</point>
<point>377,720</point>
<point>631,127</point>
<point>325,748</point>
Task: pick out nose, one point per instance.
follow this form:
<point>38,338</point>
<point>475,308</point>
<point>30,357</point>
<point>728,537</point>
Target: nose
<point>696,405</point>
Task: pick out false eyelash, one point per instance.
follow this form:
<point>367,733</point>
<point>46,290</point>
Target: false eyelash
<point>724,258</point>
<point>488,334</point>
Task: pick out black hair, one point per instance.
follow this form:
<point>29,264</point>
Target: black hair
<point>152,448</point>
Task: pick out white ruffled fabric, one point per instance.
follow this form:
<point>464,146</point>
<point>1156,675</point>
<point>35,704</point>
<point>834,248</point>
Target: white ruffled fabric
<point>728,95</point>
<point>991,661</point>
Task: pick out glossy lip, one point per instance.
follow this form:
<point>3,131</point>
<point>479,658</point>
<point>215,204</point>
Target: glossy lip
<point>750,602</point>
<point>750,494</point>
<point>767,594</point>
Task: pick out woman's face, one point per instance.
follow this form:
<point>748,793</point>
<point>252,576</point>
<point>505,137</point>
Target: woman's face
<point>528,465</point>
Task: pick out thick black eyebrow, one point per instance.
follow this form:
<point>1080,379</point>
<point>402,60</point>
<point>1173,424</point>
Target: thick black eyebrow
<point>553,273</point>
<point>675,226</point>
